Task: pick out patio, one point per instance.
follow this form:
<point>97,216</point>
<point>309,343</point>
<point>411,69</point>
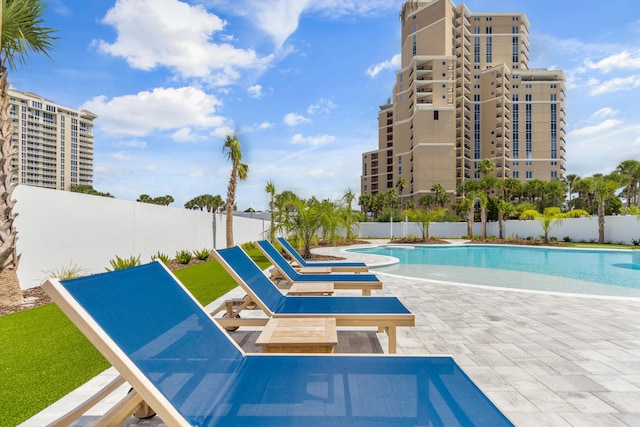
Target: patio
<point>543,359</point>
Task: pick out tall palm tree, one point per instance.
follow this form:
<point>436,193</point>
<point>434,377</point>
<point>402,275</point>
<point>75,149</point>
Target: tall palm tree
<point>271,191</point>
<point>629,171</point>
<point>21,33</point>
<point>401,185</point>
<point>239,170</point>
<point>603,187</point>
<point>571,180</point>
<point>349,218</point>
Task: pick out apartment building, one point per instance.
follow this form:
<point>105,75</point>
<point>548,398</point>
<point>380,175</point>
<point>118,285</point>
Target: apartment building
<point>55,143</point>
<point>464,93</point>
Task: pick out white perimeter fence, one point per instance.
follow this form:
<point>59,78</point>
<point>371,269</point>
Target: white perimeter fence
<point>58,229</point>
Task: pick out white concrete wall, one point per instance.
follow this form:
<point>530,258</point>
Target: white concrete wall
<point>57,229</point>
<point>618,229</point>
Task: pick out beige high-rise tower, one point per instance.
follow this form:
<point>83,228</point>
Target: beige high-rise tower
<point>465,93</point>
<point>55,143</point>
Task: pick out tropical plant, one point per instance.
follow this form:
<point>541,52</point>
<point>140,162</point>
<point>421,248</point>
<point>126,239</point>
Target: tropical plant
<point>122,263</point>
<point>629,172</point>
<point>401,185</point>
<point>551,217</point>
<point>349,218</point>
<point>304,223</point>
<point>21,33</point>
<point>232,150</point>
<point>205,202</point>
<point>162,200</point>
<point>183,256</point>
<point>164,258</point>
<point>202,254</point>
<point>424,219</point>
<point>271,191</point>
<point>441,197</point>
<point>88,189</point>
<point>71,271</point>
<point>603,187</point>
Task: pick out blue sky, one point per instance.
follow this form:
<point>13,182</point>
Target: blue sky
<point>299,82</point>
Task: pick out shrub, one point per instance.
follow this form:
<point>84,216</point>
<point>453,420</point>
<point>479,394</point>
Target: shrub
<point>162,257</point>
<point>566,239</point>
<point>122,263</point>
<point>249,246</point>
<point>202,254</point>
<point>65,273</point>
<point>553,239</point>
<point>635,242</point>
<point>183,257</point>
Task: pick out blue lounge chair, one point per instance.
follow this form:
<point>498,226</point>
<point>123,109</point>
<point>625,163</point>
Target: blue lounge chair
<point>335,266</point>
<point>384,312</point>
<point>185,367</point>
<point>364,282</point>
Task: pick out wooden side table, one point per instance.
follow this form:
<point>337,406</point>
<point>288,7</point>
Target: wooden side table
<point>315,288</point>
<point>308,335</point>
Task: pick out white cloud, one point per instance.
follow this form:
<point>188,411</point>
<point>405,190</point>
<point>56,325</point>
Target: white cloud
<point>280,18</point>
<point>160,109</point>
<point>184,135</point>
<point>605,112</point>
<point>617,84</point>
<point>323,106</point>
<point>391,64</point>
<point>176,35</point>
<point>622,60</point>
<point>133,143</point>
<point>121,156</point>
<point>266,125</point>
<point>312,140</point>
<point>293,119</point>
<point>595,129</point>
<point>255,91</point>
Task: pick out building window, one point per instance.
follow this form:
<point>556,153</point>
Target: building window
<point>554,174</point>
<point>436,115</point>
<point>489,49</point>
<point>529,174</point>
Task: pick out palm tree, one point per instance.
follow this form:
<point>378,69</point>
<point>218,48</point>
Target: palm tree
<point>570,179</point>
<point>239,170</point>
<point>348,217</point>
<point>271,191</point>
<point>441,197</point>
<point>629,170</point>
<point>401,185</point>
<point>603,187</point>
<point>551,217</point>
<point>21,33</point>
<point>424,219</point>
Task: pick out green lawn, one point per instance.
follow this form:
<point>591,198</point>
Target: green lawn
<point>601,246</point>
<point>43,356</point>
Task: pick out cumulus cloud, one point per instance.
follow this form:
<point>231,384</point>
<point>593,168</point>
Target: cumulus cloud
<point>255,91</point>
<point>391,64</point>
<point>184,135</point>
<point>312,140</point>
<point>159,110</point>
<point>605,112</point>
<point>279,19</point>
<point>133,143</point>
<point>596,129</point>
<point>293,119</point>
<point>622,60</point>
<point>617,84</point>
<point>176,35</point>
<point>121,156</point>
<point>322,106</point>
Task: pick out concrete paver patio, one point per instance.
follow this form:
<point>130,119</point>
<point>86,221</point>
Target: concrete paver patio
<point>544,359</point>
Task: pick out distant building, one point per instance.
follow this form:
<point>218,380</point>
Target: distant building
<point>55,143</point>
<point>464,93</point>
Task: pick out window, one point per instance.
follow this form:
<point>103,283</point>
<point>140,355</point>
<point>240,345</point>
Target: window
<point>554,174</point>
<point>436,115</point>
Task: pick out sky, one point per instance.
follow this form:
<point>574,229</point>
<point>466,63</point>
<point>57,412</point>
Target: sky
<point>299,82</point>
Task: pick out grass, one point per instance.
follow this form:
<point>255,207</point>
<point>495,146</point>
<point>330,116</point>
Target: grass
<point>601,246</point>
<point>43,356</point>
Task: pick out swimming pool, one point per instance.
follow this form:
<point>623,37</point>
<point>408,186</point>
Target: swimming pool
<point>583,271</point>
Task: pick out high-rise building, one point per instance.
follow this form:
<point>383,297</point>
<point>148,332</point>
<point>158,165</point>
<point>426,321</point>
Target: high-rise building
<point>464,93</point>
<point>55,143</point>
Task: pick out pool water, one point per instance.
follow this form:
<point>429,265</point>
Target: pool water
<point>594,272</point>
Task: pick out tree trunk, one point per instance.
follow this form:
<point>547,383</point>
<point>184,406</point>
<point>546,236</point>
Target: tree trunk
<point>10,292</point>
<point>231,198</point>
<point>9,286</point>
<point>601,222</point>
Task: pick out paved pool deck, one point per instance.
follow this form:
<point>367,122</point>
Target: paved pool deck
<point>543,359</point>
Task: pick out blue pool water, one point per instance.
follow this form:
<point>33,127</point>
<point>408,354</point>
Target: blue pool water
<point>594,272</point>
